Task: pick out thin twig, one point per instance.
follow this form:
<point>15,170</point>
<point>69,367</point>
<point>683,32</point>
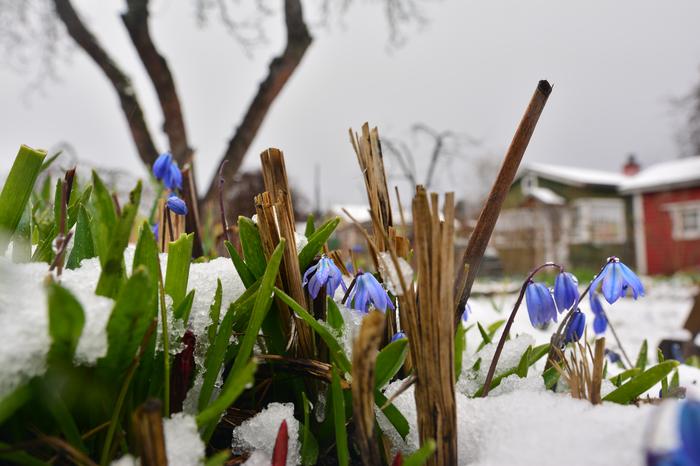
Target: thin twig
<point>224,225</point>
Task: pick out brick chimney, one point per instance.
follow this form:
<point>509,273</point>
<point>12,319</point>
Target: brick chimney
<point>631,167</point>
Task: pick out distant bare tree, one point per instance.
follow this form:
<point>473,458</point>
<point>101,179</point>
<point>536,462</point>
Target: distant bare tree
<point>445,145</point>
<point>693,129</point>
<point>28,27</point>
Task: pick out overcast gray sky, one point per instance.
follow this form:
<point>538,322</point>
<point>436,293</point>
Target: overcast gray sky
<point>615,66</point>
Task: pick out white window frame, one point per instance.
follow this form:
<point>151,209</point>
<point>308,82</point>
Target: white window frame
<point>528,183</point>
<point>584,217</point>
<point>677,210</point>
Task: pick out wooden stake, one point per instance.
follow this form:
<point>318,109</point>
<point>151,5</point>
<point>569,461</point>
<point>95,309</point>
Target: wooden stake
<point>192,225</point>
<point>364,355</point>
<point>148,432</point>
<point>489,214</point>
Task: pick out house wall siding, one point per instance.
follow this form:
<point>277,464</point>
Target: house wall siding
<point>664,254</point>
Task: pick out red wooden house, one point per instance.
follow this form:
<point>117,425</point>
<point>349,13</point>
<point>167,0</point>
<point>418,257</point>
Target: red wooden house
<point>666,206</point>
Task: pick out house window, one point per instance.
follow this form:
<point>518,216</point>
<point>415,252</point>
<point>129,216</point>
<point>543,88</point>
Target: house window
<point>685,217</point>
<point>529,183</point>
<point>598,221</point>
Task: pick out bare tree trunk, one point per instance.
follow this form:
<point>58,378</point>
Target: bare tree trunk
<point>119,80</point>
<point>281,69</point>
<point>136,21</point>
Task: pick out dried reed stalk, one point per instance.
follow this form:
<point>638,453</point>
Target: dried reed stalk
<point>148,432</point>
<point>582,370</point>
<point>369,156</point>
<point>192,225</point>
<point>364,355</point>
<point>489,214</point>
<point>430,327</point>
<point>277,185</point>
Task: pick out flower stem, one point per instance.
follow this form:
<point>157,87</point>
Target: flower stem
<point>224,225</point>
<point>511,319</point>
<point>619,343</point>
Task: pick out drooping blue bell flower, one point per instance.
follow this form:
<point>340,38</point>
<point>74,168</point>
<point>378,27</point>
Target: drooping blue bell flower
<point>177,205</point>
<point>600,320</point>
<point>613,357</point>
<point>467,312</point>
<point>154,229</point>
<point>165,169</point>
<point>324,273</point>
<point>688,453</point>
<point>161,167</point>
<point>540,304</point>
<point>173,180</point>
<point>575,327</point>
<point>398,336</point>
<point>565,291</point>
<point>368,291</point>
<point>616,280</point>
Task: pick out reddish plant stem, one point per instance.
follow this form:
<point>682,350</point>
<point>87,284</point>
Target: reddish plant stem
<point>509,324</point>
<point>224,225</point>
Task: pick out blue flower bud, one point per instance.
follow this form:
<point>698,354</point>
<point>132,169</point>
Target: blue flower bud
<point>613,357</point>
<point>398,336</point>
<point>173,178</point>
<point>154,229</point>
<point>540,304</point>
<point>467,312</point>
<point>575,327</point>
<point>161,167</point>
<point>565,291</point>
<point>324,273</point>
<point>177,205</point>
<point>600,320</point>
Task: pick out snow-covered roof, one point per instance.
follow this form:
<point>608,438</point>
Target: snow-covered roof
<point>574,175</point>
<point>675,173</point>
<point>546,196</point>
<point>359,212</point>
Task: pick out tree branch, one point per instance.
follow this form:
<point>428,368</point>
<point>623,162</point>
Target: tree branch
<point>120,81</point>
<point>281,69</point>
<point>136,21</point>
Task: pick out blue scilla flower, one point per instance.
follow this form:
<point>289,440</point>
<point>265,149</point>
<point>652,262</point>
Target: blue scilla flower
<point>688,453</point>
<point>617,279</point>
<point>613,357</point>
<point>600,320</point>
<point>324,273</point>
<point>540,304</point>
<point>398,336</point>
<point>177,205</point>
<point>574,330</point>
<point>165,169</point>
<point>565,291</point>
<point>368,291</point>
<point>154,229</point>
<point>161,167</point>
<point>467,312</point>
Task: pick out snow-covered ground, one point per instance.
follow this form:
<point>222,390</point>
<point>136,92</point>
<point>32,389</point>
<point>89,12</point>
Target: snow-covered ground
<point>520,423</point>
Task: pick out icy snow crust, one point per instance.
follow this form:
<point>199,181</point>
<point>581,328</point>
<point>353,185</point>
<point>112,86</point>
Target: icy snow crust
<point>520,423</point>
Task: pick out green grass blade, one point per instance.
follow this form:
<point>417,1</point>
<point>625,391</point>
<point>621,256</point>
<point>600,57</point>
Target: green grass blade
<point>182,312</point>
<point>244,272</point>
<point>422,455</point>
<point>335,348</point>
<point>178,270</point>
<point>524,364</point>
<point>393,414</point>
<point>215,313</point>
<point>22,239</point>
<point>310,227</point>
<point>82,241</point>
<point>334,317</point>
<point>104,217</point>
<point>628,392</point>
<point>17,190</point>
<point>309,445</point>
<point>251,244</point>
<point>316,242</point>
<point>642,356</point>
<point>460,346</point>
<point>113,272</point>
<point>232,389</point>
<point>341,434</point>
<point>127,325</point>
<point>389,361</point>
<point>14,401</point>
<point>66,322</point>
<point>535,354</point>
